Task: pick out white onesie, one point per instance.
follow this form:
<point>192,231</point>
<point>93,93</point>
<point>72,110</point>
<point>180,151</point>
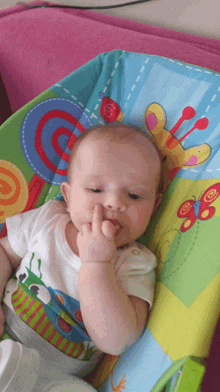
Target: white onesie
<point>43,308</point>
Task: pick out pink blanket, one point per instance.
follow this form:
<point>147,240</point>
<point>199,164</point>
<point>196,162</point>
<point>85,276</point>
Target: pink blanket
<point>39,47</point>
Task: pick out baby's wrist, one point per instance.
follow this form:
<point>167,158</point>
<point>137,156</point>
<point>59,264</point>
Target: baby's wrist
<point>96,267</point>
<point>94,262</point>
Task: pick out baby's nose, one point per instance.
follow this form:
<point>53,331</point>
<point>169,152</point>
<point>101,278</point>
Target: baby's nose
<point>115,205</point>
<point>121,209</point>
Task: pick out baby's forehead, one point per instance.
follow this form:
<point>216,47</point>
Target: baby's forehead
<point>138,143</point>
<point>141,147</point>
<point>135,138</point>
<point>137,149</point>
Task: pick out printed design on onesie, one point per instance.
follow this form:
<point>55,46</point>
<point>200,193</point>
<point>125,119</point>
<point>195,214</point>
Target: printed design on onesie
<point>54,315</point>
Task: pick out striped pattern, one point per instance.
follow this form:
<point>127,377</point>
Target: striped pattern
<point>33,314</point>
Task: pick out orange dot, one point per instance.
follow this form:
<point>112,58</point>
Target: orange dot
<point>60,298</point>
<point>187,223</point>
<point>205,213</point>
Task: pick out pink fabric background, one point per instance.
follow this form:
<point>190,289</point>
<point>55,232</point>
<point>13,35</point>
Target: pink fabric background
<point>39,47</point>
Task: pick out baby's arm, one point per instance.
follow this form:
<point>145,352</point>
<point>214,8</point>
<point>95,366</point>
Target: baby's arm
<point>8,261</point>
<point>113,320</point>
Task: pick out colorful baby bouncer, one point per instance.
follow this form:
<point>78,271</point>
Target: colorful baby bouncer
<point>178,104</point>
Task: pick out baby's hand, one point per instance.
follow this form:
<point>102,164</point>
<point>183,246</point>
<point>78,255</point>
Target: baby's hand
<point>96,242</point>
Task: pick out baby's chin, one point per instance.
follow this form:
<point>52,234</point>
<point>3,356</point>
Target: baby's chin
<point>122,243</point>
<point>123,246</point>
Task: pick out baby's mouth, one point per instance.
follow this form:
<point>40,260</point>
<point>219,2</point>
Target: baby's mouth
<point>116,225</point>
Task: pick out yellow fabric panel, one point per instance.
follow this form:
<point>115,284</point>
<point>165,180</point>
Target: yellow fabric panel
<point>183,331</point>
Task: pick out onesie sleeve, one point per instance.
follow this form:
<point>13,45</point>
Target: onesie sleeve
<point>23,228</point>
<point>135,270</point>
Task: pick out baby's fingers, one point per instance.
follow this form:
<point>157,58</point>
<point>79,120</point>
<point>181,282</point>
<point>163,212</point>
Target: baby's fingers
<point>108,229</point>
<point>85,228</point>
<point>97,218</point>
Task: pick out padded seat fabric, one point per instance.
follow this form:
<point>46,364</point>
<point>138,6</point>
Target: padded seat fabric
<point>53,48</point>
<point>178,105</point>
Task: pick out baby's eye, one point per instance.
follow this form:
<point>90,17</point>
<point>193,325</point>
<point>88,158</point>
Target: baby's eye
<point>133,196</point>
<point>96,190</point>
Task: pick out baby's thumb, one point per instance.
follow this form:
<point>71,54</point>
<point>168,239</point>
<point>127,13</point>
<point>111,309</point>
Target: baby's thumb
<point>108,229</point>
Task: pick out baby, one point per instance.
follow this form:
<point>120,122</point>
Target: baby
<point>82,282</point>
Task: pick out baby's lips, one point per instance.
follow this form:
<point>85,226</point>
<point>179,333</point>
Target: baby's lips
<point>115,223</point>
<point>117,226</point>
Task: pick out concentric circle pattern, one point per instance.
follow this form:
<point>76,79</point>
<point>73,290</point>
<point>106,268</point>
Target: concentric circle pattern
<point>48,133</point>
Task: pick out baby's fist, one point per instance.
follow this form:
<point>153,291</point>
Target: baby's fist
<point>96,241</point>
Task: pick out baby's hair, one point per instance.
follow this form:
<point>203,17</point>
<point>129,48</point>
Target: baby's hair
<point>108,133</point>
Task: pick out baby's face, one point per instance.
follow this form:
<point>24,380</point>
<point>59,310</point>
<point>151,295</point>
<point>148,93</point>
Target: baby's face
<point>122,178</point>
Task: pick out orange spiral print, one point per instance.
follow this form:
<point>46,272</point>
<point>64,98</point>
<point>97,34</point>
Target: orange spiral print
<point>185,208</point>
<point>13,190</point>
<point>211,195</point>
<point>6,188</point>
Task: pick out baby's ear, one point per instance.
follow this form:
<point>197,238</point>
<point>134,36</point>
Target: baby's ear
<point>157,203</point>
<point>65,189</point>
